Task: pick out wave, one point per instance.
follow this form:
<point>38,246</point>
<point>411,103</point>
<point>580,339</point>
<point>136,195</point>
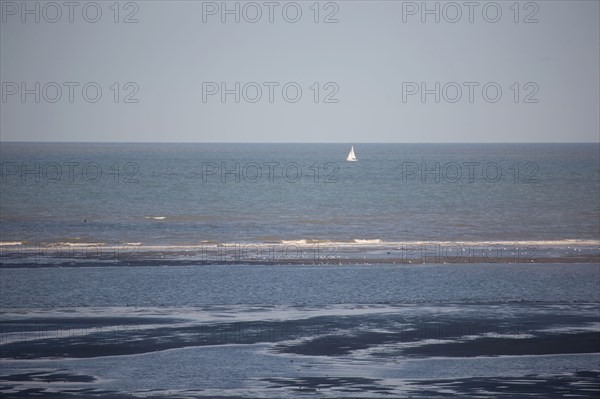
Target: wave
<point>301,242</point>
<point>51,244</point>
<point>361,241</point>
<point>78,244</point>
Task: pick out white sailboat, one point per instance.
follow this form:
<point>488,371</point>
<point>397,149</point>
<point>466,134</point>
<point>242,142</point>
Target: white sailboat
<point>351,155</point>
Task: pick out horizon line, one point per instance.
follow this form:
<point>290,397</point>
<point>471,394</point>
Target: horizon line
<point>297,142</point>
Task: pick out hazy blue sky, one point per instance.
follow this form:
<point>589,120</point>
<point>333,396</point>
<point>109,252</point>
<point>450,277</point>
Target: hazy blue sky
<point>372,61</point>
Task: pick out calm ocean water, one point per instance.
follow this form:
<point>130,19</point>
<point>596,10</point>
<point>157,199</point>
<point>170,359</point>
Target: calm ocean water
<point>296,285</point>
<point>171,194</point>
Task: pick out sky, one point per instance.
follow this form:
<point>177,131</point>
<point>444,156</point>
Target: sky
<point>304,71</point>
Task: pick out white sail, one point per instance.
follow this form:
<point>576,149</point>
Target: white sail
<point>351,155</point>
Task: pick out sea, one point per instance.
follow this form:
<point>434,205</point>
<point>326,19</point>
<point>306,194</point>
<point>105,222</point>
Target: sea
<point>283,270</point>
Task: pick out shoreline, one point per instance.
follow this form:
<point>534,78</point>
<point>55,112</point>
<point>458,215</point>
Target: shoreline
<point>158,260</point>
<point>17,254</point>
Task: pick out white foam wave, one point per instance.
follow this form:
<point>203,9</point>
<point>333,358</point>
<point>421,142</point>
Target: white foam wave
<point>294,242</point>
<point>77,244</point>
<point>373,241</point>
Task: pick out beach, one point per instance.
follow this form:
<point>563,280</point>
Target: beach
<point>355,331</point>
<point>416,351</point>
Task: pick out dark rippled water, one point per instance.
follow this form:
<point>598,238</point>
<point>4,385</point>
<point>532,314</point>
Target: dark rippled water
<point>426,331</point>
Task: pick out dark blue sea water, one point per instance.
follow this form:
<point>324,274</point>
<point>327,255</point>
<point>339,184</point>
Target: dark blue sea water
<point>282,285</point>
<point>170,194</point>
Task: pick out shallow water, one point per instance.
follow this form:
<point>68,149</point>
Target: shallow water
<point>296,284</point>
<point>479,330</point>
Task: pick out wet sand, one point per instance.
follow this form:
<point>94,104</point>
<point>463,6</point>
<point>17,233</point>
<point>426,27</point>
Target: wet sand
<point>388,337</point>
<point>159,260</point>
